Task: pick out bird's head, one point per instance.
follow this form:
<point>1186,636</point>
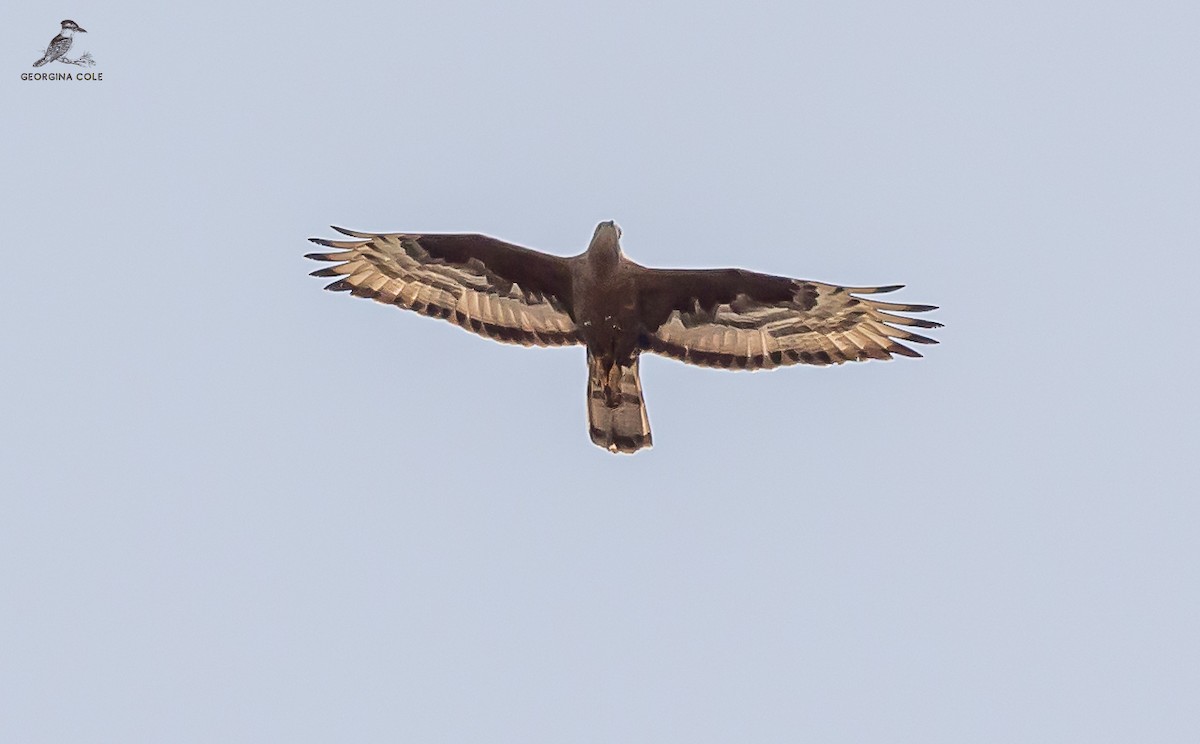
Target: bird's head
<point>72,26</point>
<point>609,228</point>
<point>606,243</point>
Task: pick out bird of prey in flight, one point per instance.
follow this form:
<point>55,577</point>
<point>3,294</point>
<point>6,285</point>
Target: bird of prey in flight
<point>617,309</point>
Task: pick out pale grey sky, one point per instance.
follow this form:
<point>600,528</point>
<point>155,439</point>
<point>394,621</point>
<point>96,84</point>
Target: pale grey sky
<point>237,508</point>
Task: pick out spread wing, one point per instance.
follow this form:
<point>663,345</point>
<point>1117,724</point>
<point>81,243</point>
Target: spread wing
<point>487,286</point>
<point>742,320</point>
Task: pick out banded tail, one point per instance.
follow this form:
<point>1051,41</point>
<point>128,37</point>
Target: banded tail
<point>616,410</point>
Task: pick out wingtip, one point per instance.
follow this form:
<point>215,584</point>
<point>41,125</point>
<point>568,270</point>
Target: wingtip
<point>903,350</point>
<point>870,290</point>
<point>904,320</point>
<point>917,338</point>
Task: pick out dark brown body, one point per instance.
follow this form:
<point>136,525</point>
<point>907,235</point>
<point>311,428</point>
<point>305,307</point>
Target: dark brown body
<point>606,309</point>
<point>606,304</point>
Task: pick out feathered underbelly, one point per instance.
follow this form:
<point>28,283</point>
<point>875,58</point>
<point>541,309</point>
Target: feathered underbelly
<point>609,322</point>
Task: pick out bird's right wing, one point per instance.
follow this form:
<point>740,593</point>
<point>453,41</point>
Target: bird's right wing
<point>496,289</point>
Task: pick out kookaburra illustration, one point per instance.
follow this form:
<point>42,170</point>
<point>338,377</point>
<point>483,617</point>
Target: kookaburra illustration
<point>60,44</point>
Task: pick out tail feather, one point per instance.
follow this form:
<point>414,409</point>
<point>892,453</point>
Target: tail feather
<point>616,410</point>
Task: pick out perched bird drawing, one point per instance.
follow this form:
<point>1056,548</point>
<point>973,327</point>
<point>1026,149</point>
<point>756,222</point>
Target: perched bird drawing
<point>60,44</point>
<point>727,318</point>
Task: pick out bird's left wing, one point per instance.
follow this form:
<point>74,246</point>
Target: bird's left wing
<point>496,289</point>
<point>739,319</point>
